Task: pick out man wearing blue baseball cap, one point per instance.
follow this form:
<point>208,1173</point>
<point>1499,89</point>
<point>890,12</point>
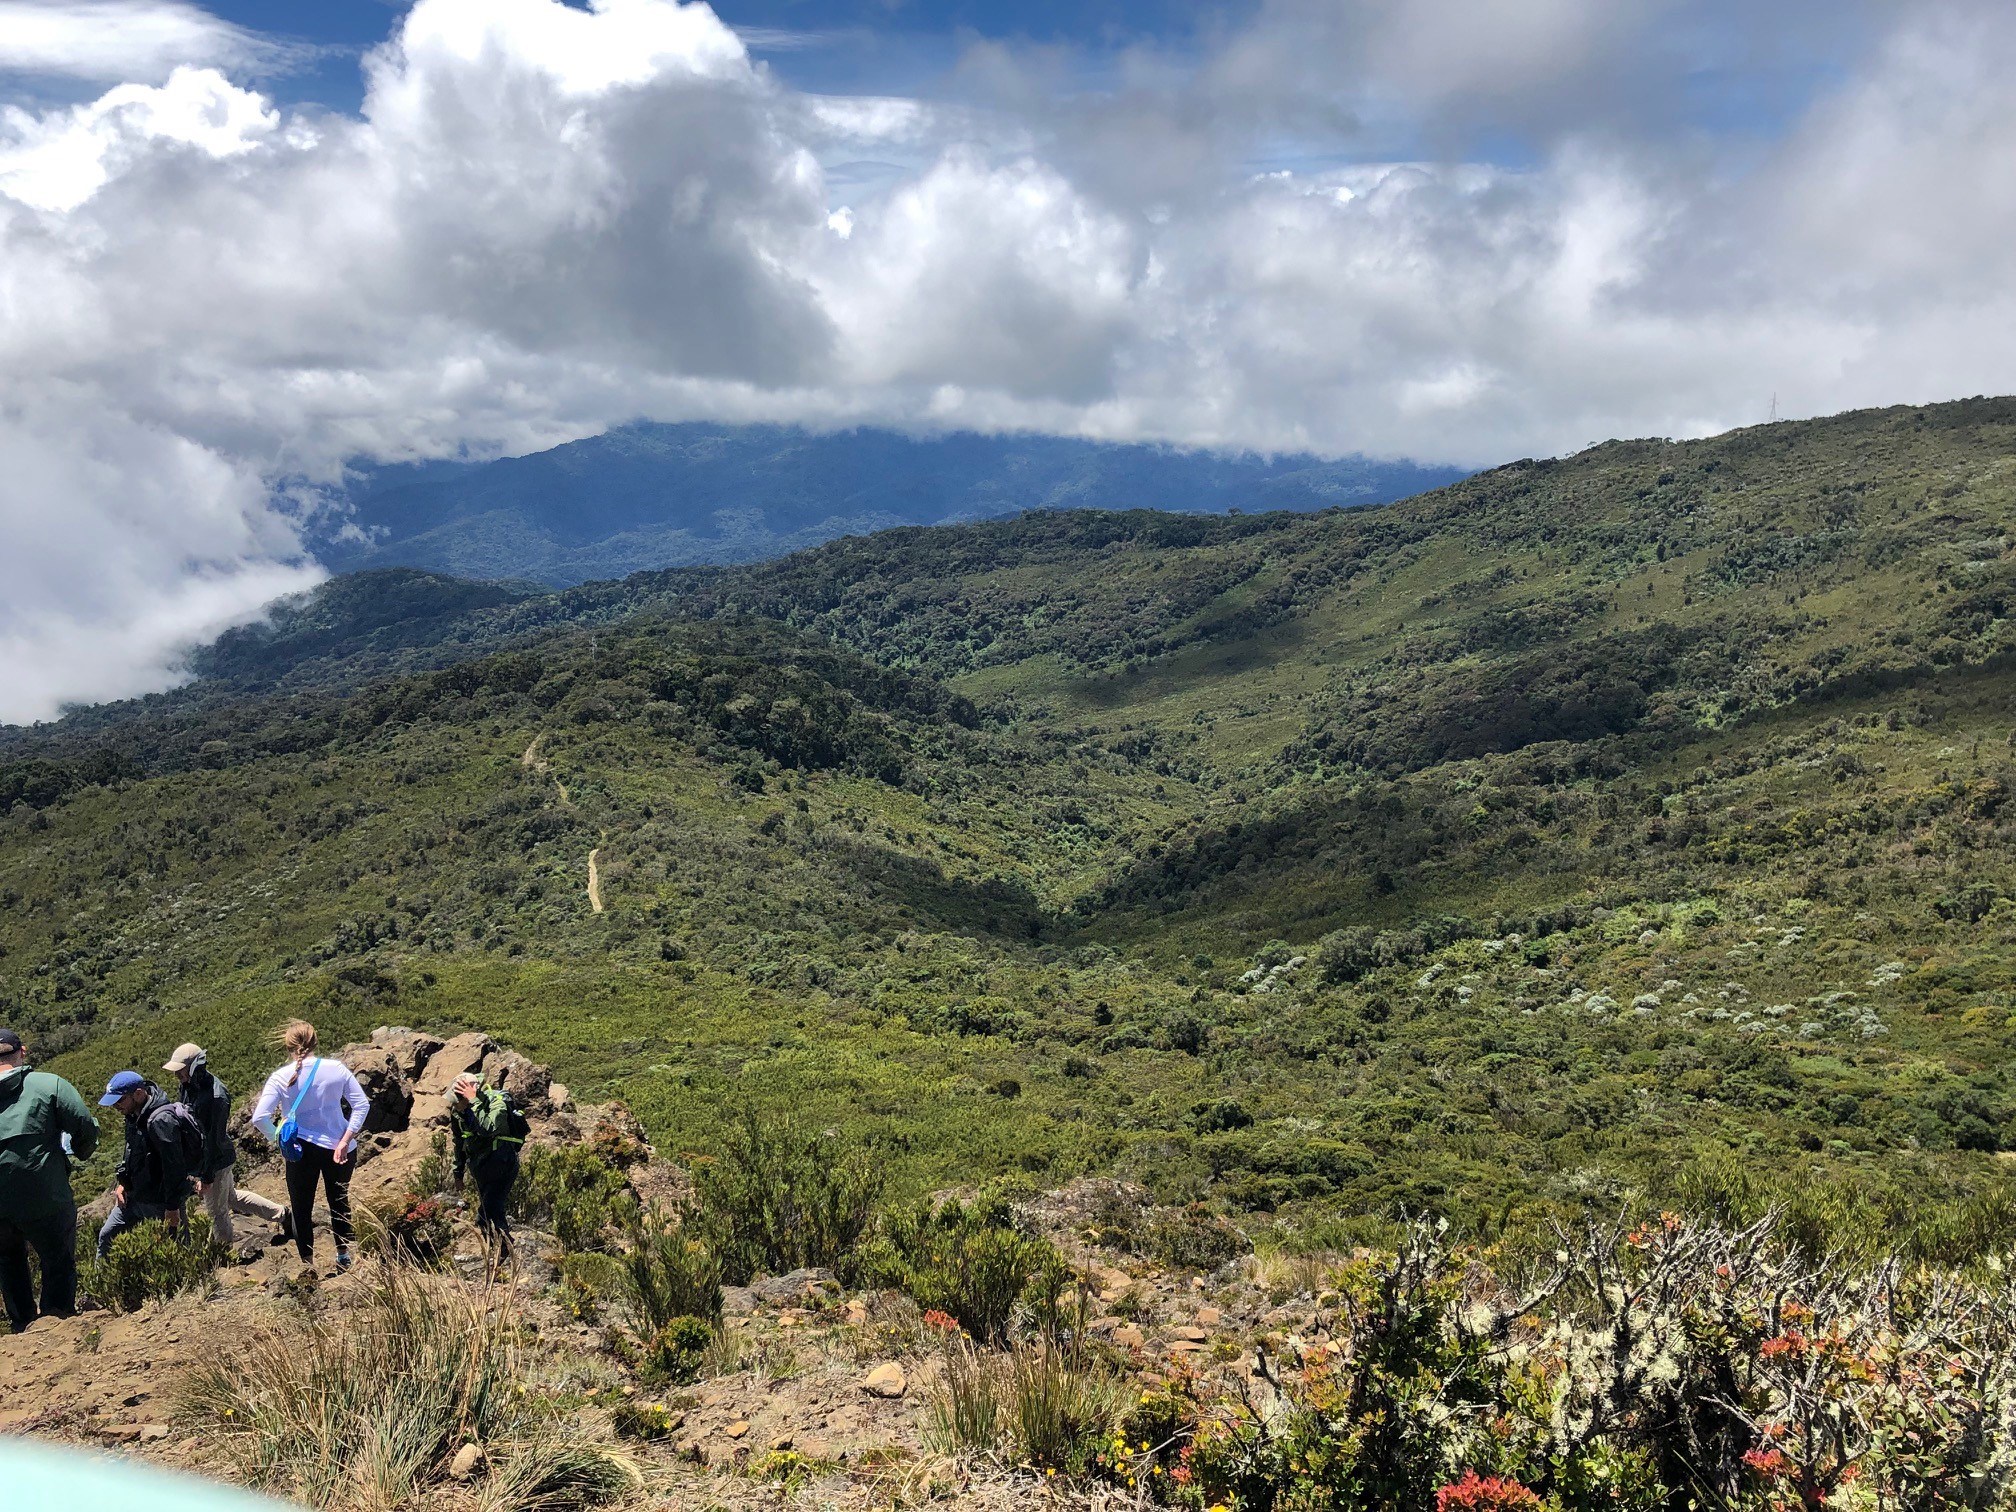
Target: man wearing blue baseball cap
<point>164,1143</point>
<point>37,1113</point>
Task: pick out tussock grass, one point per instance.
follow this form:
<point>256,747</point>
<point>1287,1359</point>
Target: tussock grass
<point>1046,1405</point>
<point>363,1411</point>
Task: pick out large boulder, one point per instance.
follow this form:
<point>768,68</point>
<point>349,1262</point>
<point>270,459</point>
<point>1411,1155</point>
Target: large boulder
<point>378,1071</point>
<point>523,1079</point>
<point>465,1052</point>
<point>409,1047</point>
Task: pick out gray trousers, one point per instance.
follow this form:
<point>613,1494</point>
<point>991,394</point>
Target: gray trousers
<point>223,1196</point>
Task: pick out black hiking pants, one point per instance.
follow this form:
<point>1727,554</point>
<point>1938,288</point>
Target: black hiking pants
<point>495,1175</point>
<point>54,1240</point>
<point>317,1164</point>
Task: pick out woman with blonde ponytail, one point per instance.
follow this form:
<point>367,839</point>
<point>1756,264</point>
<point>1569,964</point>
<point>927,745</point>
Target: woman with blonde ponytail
<point>320,1111</point>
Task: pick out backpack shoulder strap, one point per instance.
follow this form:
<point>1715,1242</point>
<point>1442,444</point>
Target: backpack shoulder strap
<point>313,1066</point>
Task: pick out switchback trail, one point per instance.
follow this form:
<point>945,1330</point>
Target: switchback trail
<point>594,881</point>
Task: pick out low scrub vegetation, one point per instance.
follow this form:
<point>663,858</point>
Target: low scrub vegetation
<point>151,1262</point>
<point>1668,1365</point>
<point>780,1196</point>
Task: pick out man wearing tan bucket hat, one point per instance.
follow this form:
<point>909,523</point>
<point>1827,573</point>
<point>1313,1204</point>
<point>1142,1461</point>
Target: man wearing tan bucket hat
<point>216,1175</point>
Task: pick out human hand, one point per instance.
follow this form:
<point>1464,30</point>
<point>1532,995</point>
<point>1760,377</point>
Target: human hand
<point>202,1187</point>
<point>343,1148</point>
<point>119,1194</point>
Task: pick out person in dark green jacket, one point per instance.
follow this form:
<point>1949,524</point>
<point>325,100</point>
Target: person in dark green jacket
<point>489,1135</point>
<point>37,1112</point>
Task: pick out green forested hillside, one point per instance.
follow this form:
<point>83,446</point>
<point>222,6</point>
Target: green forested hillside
<point>1638,821</point>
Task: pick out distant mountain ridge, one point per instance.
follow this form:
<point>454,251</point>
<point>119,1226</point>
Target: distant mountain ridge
<point>650,496</point>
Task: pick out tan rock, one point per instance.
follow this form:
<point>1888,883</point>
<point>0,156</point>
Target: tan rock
<point>467,1458</point>
<point>886,1381</point>
<point>737,1429</point>
<point>1189,1334</point>
<point>1209,1317</point>
<point>561,1099</point>
<point>1128,1337</point>
<point>465,1052</point>
<point>152,1433</point>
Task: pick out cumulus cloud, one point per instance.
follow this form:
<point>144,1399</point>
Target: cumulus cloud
<point>547,219</point>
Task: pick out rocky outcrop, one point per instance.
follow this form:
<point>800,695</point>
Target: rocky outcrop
<point>408,1047</point>
<point>384,1082</point>
<point>523,1079</point>
<point>465,1052</point>
<point>407,1075</point>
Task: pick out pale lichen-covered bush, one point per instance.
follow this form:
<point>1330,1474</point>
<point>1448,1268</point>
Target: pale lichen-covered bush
<point>1666,1365</point>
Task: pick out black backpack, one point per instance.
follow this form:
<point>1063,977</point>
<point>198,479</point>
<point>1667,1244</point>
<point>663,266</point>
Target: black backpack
<point>514,1124</point>
<point>174,1124</point>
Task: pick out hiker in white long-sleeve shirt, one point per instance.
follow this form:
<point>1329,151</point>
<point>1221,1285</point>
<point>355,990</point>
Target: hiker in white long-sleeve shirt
<point>326,1108</point>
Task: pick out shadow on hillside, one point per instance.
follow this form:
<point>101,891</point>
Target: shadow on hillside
<point>1000,907</point>
<point>1222,649</point>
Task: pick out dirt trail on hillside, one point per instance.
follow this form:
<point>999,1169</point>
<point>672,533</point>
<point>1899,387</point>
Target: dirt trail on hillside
<point>594,880</point>
<point>530,760</point>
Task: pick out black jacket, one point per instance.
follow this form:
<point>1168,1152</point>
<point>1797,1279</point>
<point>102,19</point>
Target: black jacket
<point>207,1098</point>
<point>152,1169</point>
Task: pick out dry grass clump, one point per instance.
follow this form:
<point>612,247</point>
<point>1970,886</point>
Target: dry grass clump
<point>1046,1405</point>
<point>365,1411</point>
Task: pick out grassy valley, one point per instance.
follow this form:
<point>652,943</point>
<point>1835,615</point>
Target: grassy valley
<point>1632,826</point>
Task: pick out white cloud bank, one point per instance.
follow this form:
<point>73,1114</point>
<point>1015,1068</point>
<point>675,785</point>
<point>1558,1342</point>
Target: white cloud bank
<point>125,41</point>
<point>548,219</point>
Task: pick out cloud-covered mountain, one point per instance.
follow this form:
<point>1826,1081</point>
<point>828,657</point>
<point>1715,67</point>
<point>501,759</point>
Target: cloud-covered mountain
<point>1427,228</point>
<point>647,496</point>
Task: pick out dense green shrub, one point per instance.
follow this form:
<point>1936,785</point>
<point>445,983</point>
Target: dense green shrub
<point>1651,1368</point>
<point>968,1260</point>
<point>150,1262</point>
<point>579,1190</point>
<point>647,1422</point>
<point>675,1353</point>
<point>408,1227</point>
<point>671,1274</point>
<point>780,1196</point>
<point>1194,1240</point>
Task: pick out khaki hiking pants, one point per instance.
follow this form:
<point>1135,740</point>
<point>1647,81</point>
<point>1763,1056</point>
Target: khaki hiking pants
<point>224,1197</point>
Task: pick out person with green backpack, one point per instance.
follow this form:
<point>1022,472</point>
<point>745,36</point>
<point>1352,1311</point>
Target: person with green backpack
<point>489,1130</point>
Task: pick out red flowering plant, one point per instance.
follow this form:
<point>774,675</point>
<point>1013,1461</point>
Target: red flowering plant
<point>1485,1493</point>
<point>412,1228</point>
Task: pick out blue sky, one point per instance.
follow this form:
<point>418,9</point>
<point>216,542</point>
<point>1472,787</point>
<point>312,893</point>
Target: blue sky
<point>848,46</point>
<point>1724,78</point>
